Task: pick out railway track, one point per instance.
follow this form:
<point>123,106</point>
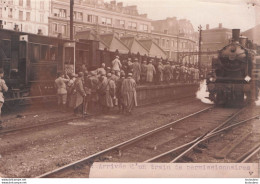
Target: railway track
<point>151,143</point>
<point>186,152</point>
<point>65,120</point>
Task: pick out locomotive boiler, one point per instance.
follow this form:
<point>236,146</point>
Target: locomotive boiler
<point>231,81</point>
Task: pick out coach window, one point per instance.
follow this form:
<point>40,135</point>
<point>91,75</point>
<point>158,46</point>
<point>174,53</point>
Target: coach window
<point>6,46</point>
<point>22,50</point>
<point>35,53</point>
<point>45,52</point>
<point>53,53</point>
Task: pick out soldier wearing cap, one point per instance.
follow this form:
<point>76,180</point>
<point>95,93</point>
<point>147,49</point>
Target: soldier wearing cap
<point>150,72</point>
<point>116,64</point>
<point>128,91</point>
<point>118,92</point>
<point>136,70</point>
<point>101,70</point>
<point>79,94</point>
<point>167,72</point>
<point>106,93</point>
<point>143,71</point>
<point>60,84</point>
<point>3,88</point>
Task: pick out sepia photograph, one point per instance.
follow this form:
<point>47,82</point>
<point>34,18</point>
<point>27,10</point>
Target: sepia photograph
<point>129,89</point>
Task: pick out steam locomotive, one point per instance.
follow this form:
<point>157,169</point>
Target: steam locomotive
<point>234,77</point>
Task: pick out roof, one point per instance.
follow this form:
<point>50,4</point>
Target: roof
<point>134,45</point>
<point>253,34</point>
<point>114,43</point>
<point>153,48</point>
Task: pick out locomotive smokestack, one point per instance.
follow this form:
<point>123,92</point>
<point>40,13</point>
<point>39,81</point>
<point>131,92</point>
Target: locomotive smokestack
<point>235,35</point>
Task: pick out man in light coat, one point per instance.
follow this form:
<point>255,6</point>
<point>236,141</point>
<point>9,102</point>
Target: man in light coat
<point>3,88</point>
<point>116,64</point>
<point>150,72</point>
<point>60,84</point>
<point>128,92</point>
<point>136,70</point>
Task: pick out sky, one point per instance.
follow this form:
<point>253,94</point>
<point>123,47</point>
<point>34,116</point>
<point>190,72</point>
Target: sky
<point>232,14</point>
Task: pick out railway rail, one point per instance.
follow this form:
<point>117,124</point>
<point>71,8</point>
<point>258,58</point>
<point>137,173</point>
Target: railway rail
<point>119,148</point>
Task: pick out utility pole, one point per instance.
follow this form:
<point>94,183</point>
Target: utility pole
<point>199,61</point>
<point>178,47</point>
<point>71,19</point>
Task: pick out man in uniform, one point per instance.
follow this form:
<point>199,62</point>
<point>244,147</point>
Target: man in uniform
<point>116,64</point>
<point>128,91</point>
<point>3,88</point>
<point>60,84</point>
<point>136,70</point>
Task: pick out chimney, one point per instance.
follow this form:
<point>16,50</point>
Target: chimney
<point>235,35</point>
<point>39,32</point>
<point>220,25</point>
<point>113,2</point>
<point>120,4</point>
<point>16,27</point>
<point>207,26</point>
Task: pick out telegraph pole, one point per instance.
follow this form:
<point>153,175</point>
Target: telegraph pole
<point>199,61</point>
<point>71,19</point>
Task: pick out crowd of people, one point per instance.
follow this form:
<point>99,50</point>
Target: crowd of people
<point>106,87</point>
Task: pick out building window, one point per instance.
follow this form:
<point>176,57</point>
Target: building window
<point>28,3</point>
<point>172,43</point>
<point>42,5</point>
<point>20,15</point>
<point>122,23</point>
<point>106,21</point>
<point>132,25</point>
<point>80,16</point>
<point>1,12</point>
<point>64,30</point>
<point>10,13</point>
<point>55,27</point>
<point>62,13</point>
<point>41,18</point>
<point>92,18</point>
<point>28,16</point>
<point>144,27</point>
<point>163,43</point>
<point>167,43</point>
<point>20,2</point>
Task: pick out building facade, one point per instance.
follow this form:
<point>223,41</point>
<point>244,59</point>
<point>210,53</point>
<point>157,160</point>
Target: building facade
<point>25,15</point>
<point>114,17</point>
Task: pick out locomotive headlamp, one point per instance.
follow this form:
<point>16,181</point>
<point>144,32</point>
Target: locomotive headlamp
<point>247,78</point>
<point>212,79</point>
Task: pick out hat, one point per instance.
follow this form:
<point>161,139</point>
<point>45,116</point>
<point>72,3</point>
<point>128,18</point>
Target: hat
<point>129,59</point>
<point>109,74</point>
<point>108,68</point>
<point>136,59</point>
<point>130,74</point>
<point>144,61</point>
<point>117,56</point>
<point>168,62</point>
<point>93,73</point>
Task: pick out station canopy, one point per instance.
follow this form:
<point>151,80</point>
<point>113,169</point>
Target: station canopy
<point>134,45</point>
<point>114,43</point>
<point>153,49</point>
<point>86,35</point>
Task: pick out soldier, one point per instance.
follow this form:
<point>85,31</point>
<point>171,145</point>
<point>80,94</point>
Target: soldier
<point>150,72</point>
<point>79,93</point>
<point>101,70</point>
<point>118,92</point>
<point>128,91</point>
<point>116,64</point>
<point>167,72</point>
<point>60,84</point>
<point>3,88</point>
<point>143,71</point>
<point>136,70</point>
<point>106,92</point>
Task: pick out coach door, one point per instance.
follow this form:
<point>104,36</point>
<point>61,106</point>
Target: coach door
<point>69,57</point>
